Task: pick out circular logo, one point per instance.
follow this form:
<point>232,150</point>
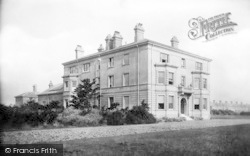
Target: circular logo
<point>7,150</point>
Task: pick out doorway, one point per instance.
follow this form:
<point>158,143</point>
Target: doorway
<point>183,106</point>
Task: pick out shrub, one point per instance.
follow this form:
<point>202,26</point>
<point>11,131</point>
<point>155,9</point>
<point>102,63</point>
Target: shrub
<point>196,118</point>
<point>179,119</point>
<point>93,118</point>
<point>244,113</point>
<point>5,114</point>
<point>222,112</point>
<point>116,118</point>
<point>74,117</point>
<point>139,115</point>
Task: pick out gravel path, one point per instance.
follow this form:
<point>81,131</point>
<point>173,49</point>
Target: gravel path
<point>51,135</point>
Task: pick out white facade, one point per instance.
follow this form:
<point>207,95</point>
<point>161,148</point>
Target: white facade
<point>170,80</point>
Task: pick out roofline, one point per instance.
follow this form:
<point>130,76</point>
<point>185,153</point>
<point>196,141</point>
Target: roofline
<point>135,44</point>
<point>25,96</point>
<point>50,93</point>
<point>106,52</point>
<point>178,50</point>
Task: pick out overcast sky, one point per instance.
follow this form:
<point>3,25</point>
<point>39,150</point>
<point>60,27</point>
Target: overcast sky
<point>37,36</point>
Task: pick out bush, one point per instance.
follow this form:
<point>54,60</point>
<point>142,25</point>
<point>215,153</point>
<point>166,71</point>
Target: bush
<point>179,119</point>
<point>137,115</point>
<point>5,114</point>
<point>74,117</point>
<point>196,118</point>
<point>30,114</point>
<point>244,113</point>
<point>116,118</point>
<point>140,115</point>
<point>222,112</point>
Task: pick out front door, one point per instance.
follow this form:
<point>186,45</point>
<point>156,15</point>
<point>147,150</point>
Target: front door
<point>183,105</point>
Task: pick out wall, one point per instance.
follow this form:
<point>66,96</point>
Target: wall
<point>174,65</point>
<point>117,71</point>
<point>46,99</point>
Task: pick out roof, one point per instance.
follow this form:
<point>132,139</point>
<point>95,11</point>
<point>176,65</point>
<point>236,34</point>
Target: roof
<point>28,94</point>
<point>53,90</point>
<point>135,44</point>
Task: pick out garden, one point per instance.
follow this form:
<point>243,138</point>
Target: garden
<point>79,114</point>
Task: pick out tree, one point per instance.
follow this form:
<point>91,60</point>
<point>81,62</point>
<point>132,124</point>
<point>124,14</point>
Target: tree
<point>84,93</point>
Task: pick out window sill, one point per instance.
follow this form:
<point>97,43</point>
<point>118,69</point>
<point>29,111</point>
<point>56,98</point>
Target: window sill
<point>161,109</point>
<point>125,64</point>
<point>110,67</point>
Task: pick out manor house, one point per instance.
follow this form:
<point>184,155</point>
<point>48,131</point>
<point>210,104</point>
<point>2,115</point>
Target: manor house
<point>172,81</point>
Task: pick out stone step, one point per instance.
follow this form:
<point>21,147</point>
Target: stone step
<point>186,117</point>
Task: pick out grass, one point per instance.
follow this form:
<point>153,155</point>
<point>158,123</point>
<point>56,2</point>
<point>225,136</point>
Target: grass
<point>230,117</point>
<point>228,140</point>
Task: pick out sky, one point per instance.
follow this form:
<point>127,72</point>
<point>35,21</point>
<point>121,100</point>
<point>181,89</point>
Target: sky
<point>36,37</point>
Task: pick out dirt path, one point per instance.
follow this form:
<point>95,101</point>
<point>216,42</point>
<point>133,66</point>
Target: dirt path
<point>51,135</point>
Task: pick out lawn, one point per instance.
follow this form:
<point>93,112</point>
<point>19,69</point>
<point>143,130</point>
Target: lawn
<point>230,116</point>
<point>227,140</point>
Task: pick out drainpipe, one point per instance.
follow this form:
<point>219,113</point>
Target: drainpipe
<point>138,77</point>
<point>201,100</point>
<point>152,79</point>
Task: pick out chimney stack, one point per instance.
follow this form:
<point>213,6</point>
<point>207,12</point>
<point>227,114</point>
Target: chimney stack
<point>139,32</point>
<point>35,88</point>
<point>50,85</point>
<point>108,42</point>
<point>117,39</point>
<point>78,49</point>
<point>100,48</point>
<point>174,42</point>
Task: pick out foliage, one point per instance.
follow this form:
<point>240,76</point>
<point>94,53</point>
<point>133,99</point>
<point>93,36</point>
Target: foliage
<point>74,117</point>
<point>5,114</point>
<point>244,113</point>
<point>114,105</point>
<point>179,119</point>
<point>116,118</point>
<point>140,115</point>
<point>222,112</point>
<point>137,115</point>
<point>30,114</point>
<point>196,118</point>
<point>85,92</point>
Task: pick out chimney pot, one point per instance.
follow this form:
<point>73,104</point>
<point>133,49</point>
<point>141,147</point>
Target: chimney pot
<point>174,42</point>
<point>100,48</point>
<point>50,84</point>
<point>108,42</point>
<point>78,49</point>
<point>139,32</point>
<point>117,39</point>
<point>35,88</point>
